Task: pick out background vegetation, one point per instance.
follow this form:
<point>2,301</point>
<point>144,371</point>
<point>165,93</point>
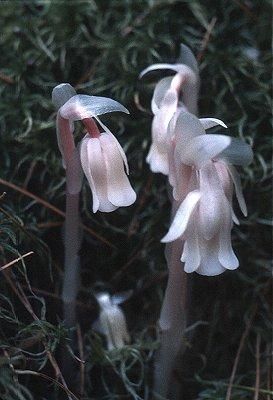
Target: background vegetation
<point>100,46</point>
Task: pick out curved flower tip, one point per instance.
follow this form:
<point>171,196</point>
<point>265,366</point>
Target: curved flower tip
<point>83,106</point>
<point>61,94</point>
<point>103,165</point>
<point>173,67</point>
<point>187,57</point>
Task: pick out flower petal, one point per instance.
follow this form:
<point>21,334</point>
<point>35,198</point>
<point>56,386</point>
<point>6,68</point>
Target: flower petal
<point>160,90</point>
<point>61,94</point>
<point>186,128</point>
<point>226,254</point>
<point>238,188</point>
<point>120,149</point>
<point>238,153</point>
<point>83,106</point>
<point>210,265</point>
<point>119,190</point>
<point>182,216</point>
<point>211,202</point>
<point>208,123</point>
<point>174,67</point>
<point>86,168</point>
<point>202,149</point>
<point>187,57</point>
<point>191,254</point>
<point>158,161</point>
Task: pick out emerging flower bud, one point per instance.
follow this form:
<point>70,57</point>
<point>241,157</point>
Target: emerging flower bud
<point>166,102</point>
<point>112,321</point>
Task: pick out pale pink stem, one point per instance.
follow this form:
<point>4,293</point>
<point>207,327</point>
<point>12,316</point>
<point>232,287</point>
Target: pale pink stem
<point>91,127</point>
<point>66,138</point>
<point>173,319</point>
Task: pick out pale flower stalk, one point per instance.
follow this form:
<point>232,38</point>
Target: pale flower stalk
<point>102,159</point>
<point>171,96</point>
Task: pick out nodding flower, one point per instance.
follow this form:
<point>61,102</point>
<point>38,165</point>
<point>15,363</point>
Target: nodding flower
<point>171,94</point>
<point>202,176</point>
<point>99,154</point>
<point>112,322</point>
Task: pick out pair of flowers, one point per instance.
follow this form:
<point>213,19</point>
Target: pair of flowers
<point>99,154</point>
<point>200,170</point>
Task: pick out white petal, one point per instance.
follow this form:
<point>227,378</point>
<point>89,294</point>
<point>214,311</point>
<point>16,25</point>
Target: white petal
<point>202,149</point>
<point>83,106</point>
<point>211,122</point>
<point>211,202</point>
<point>74,173</point>
<point>61,94</point>
<point>158,161</point>
<point>174,67</point>
<point>120,149</point>
<point>238,188</point>
<point>210,265</point>
<point>191,254</point>
<point>119,190</point>
<point>160,133</point>
<point>160,90</point>
<point>187,57</point>
<point>86,168</point>
<point>182,217</point>
<point>186,128</point>
<point>238,153</point>
<point>226,254</point>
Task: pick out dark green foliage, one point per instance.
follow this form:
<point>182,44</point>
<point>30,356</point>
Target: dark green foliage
<point>100,46</point>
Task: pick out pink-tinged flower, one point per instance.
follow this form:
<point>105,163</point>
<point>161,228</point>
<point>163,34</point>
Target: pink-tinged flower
<point>99,154</point>
<point>166,102</point>
<point>204,218</point>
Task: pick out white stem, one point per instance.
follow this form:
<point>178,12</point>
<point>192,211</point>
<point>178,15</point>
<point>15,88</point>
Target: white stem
<point>72,243</point>
<point>172,323</point>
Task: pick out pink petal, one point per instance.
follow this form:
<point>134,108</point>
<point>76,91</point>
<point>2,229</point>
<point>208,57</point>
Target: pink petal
<point>158,161</point>
<point>202,149</point>
<point>211,202</point>
<point>210,265</point>
<point>160,90</point>
<point>226,254</point>
<point>191,252</point>
<point>119,190</point>
<point>238,188</point>
<point>182,217</point>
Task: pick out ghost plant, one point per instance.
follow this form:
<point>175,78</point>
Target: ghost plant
<point>201,173</point>
<point>101,158</point>
<point>112,321</point>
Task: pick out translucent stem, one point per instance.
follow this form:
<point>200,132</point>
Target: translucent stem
<point>72,243</point>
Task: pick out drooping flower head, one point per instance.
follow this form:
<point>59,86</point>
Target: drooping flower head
<point>99,154</point>
<point>203,167</point>
<point>112,321</point>
<point>171,94</point>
